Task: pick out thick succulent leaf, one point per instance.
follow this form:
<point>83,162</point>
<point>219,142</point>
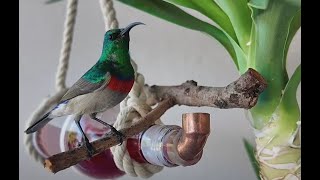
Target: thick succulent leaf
<point>266,53</point>
<point>288,111</point>
<point>239,14</point>
<point>259,4</point>
<point>172,13</point>
<point>251,154</point>
<point>214,12</point>
<point>210,9</point>
<point>294,27</point>
<point>241,57</point>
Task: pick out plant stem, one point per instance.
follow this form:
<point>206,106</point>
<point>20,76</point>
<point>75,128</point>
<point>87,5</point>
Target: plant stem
<point>279,155</point>
<point>267,53</point>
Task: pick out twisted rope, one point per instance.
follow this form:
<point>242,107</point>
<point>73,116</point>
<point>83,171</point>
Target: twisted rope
<point>109,14</point>
<point>132,108</point>
<point>60,84</point>
<point>66,44</point>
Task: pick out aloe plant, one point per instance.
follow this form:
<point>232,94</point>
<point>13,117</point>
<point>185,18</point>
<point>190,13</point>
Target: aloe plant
<point>256,34</point>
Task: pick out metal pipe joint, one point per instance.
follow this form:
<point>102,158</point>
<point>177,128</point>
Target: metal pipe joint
<point>170,145</point>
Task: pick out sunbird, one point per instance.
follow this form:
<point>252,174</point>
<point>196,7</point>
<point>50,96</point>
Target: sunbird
<point>102,87</point>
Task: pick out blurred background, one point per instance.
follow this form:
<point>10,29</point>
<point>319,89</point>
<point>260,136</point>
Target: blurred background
<point>166,54</point>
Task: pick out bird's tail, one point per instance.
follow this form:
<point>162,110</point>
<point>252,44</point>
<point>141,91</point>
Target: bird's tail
<point>39,124</point>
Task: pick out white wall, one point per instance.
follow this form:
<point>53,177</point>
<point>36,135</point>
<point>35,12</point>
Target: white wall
<point>165,53</point>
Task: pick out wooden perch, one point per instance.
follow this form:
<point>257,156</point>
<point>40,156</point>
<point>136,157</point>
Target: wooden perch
<point>242,93</point>
<point>66,159</point>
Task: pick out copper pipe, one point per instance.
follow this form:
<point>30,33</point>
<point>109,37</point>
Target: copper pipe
<point>196,129</point>
<point>170,145</point>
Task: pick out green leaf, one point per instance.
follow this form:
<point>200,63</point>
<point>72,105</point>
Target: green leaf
<point>288,111</point>
<point>177,16</point>
<point>241,58</point>
<point>294,26</point>
<point>210,9</point>
<point>266,53</point>
<point>239,15</point>
<point>251,153</point>
<point>213,11</point>
<point>259,4</point>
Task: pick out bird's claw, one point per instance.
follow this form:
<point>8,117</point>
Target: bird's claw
<point>119,135</point>
<point>90,149</point>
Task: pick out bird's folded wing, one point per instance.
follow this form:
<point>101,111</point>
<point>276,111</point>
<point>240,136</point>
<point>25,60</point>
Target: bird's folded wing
<point>82,86</point>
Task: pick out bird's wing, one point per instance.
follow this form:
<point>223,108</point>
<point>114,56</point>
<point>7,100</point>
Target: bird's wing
<point>82,86</point>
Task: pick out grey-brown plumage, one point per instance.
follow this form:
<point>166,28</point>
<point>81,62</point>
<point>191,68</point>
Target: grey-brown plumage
<point>83,86</point>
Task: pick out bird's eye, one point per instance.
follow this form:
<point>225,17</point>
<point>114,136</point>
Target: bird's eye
<point>111,37</point>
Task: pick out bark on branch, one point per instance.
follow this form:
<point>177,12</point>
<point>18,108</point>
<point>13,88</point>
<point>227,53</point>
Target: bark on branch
<point>242,93</point>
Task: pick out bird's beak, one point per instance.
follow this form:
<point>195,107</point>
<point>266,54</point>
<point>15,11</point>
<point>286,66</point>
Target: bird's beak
<point>129,27</point>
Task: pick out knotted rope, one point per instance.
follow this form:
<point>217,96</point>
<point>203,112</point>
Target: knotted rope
<point>131,109</point>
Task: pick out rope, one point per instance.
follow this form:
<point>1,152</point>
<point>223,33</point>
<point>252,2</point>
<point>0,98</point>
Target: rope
<point>109,14</point>
<point>66,44</point>
<point>131,109</point>
<point>61,89</point>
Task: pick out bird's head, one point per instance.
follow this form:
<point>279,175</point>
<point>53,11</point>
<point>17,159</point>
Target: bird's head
<point>119,38</point>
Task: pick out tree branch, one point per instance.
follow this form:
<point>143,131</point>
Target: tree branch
<point>242,93</point>
<point>66,159</point>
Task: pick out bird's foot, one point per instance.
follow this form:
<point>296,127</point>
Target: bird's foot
<point>119,135</point>
<point>90,149</point>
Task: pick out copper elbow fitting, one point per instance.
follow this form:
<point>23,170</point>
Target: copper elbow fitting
<point>196,129</point>
<point>170,145</point>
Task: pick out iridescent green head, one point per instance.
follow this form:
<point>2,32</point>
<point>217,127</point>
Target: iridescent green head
<point>118,38</point>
